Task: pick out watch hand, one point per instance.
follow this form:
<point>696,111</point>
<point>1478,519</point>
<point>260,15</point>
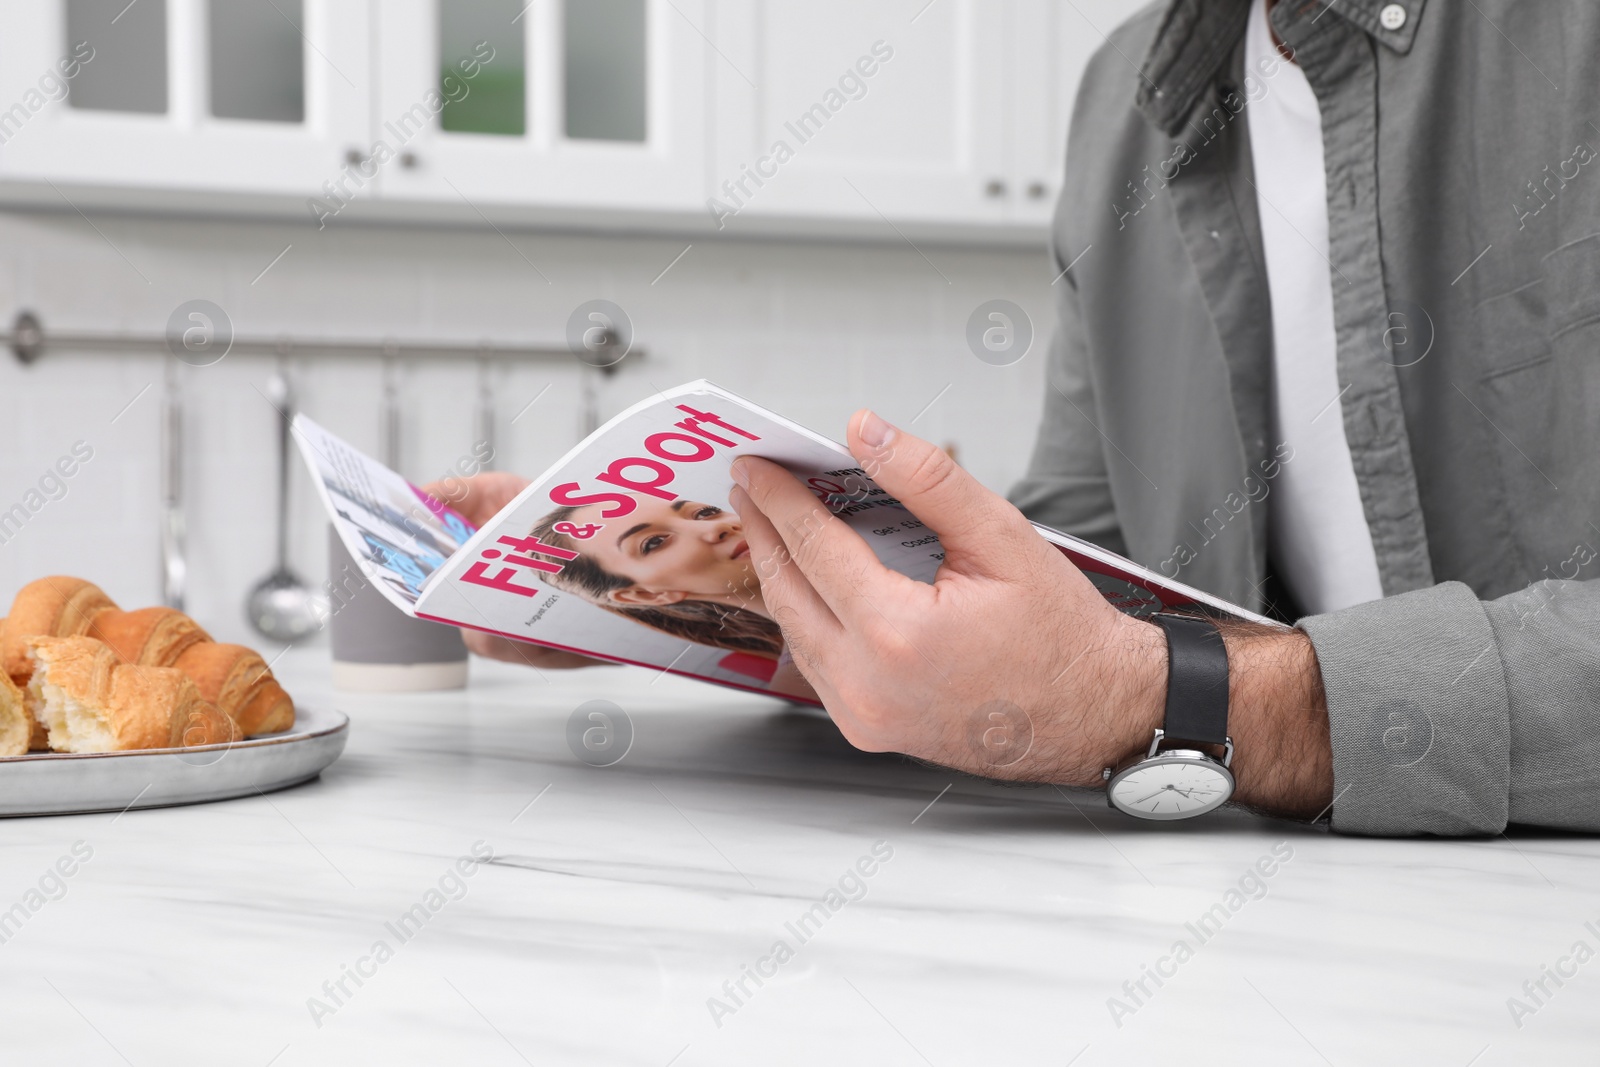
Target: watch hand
<point>1152,796</point>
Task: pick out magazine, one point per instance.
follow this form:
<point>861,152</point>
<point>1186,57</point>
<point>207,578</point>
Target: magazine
<point>627,549</point>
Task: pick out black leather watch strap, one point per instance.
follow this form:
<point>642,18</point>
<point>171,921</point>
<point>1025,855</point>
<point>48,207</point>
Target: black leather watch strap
<point>1197,680</point>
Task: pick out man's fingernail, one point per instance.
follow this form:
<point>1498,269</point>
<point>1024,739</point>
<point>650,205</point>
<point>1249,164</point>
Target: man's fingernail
<point>740,473</point>
<point>875,432</point>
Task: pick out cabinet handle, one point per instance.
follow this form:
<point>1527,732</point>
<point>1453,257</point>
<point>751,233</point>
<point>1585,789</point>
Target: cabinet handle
<point>1038,190</point>
<point>995,189</point>
<point>356,158</point>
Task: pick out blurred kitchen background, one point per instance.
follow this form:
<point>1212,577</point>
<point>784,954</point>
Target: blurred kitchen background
<point>461,176</point>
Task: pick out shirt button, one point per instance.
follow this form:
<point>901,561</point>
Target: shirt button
<point>1392,17</point>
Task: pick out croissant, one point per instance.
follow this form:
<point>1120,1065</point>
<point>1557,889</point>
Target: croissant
<point>151,637</point>
<point>57,606</point>
<point>236,679</point>
<point>90,702</point>
<point>38,739</point>
<point>16,724</point>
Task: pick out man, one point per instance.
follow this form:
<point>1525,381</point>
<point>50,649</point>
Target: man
<point>1331,327</point>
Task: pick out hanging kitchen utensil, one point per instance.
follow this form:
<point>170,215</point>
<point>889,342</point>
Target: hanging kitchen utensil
<point>389,416</point>
<point>174,563</point>
<point>281,607</point>
<point>589,400</point>
<point>483,417</point>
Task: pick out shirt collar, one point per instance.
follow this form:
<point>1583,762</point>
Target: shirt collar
<point>1197,36</point>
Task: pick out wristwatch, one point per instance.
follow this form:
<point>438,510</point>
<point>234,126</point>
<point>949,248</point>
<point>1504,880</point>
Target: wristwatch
<point>1181,781</point>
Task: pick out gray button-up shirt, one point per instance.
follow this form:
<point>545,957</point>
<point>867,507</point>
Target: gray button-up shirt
<point>1464,256</point>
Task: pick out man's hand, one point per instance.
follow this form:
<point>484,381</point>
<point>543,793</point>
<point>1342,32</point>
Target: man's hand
<point>1011,664</point>
<point>479,499</point>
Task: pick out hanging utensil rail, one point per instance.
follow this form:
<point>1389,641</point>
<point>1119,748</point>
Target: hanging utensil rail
<point>29,341</point>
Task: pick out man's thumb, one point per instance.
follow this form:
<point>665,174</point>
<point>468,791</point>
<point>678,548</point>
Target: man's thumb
<point>969,519</point>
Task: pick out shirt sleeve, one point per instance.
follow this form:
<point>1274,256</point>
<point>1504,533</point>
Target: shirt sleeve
<point>1451,715</point>
<point>1066,485</point>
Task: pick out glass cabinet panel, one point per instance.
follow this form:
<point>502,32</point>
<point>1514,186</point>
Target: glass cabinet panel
<point>483,66</point>
<point>257,60</point>
<point>604,50</point>
<point>129,68</point>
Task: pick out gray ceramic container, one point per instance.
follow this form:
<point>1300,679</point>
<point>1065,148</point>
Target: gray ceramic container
<point>379,648</point>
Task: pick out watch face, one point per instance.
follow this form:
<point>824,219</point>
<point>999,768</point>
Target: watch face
<point>1173,785</point>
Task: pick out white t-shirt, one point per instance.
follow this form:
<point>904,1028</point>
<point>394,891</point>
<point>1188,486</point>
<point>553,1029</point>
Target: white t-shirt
<point>1319,536</point>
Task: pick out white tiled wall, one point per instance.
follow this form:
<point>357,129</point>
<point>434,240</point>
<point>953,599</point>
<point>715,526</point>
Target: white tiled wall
<point>813,330</point>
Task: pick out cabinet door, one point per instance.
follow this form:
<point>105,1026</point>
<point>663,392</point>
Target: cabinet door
<point>861,109</point>
<point>1052,44</point>
<point>182,95</point>
<point>582,103</point>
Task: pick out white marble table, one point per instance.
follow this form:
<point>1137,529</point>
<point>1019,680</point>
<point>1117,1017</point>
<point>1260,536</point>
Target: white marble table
<point>618,903</point>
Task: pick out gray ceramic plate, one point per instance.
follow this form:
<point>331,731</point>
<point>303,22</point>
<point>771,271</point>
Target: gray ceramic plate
<point>67,783</point>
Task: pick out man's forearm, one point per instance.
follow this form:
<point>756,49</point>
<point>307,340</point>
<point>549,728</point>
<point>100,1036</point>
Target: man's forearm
<point>1278,718</point>
<point>1277,714</point>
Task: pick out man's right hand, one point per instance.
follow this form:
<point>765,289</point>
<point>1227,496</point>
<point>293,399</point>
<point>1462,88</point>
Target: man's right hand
<point>479,499</point>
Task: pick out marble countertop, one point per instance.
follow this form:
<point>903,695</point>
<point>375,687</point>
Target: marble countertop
<point>742,887</point>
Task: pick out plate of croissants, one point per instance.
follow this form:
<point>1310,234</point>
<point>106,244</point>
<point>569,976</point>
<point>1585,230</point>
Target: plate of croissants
<point>104,710</point>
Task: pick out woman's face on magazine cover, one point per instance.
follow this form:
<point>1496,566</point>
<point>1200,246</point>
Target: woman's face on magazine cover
<point>682,550</point>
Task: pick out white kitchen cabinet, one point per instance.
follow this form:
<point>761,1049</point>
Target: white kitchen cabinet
<point>1038,109</point>
<point>878,118</point>
<point>147,114</point>
<point>962,129</point>
<point>611,116</point>
<point>1051,42</point>
<point>864,111</point>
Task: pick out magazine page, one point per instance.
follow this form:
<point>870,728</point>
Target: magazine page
<point>628,549</point>
<point>399,535</point>
<point>1137,590</point>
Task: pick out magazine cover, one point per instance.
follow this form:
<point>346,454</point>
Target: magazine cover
<point>627,549</point>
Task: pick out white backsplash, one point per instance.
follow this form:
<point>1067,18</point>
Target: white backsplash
<point>813,330</point>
